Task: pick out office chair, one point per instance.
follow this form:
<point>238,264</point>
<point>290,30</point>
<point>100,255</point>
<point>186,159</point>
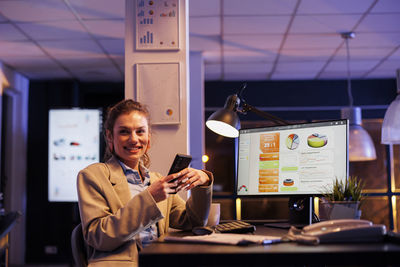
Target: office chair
<point>78,247</point>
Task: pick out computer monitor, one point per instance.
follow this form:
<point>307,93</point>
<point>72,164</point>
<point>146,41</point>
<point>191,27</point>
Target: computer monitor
<point>297,160</point>
<point>74,143</point>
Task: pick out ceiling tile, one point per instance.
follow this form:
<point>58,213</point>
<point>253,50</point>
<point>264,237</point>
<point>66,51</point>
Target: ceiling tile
<point>29,62</point>
<point>103,29</point>
<point>255,24</point>
<point>204,8</point>
<point>382,74</point>
<point>253,42</point>
<point>386,6</point>
<point>390,65</point>
<point>312,41</point>
<point>19,49</point>
<point>67,48</point>
<point>99,9</point>
<point>54,30</point>
<point>76,63</point>
<point>10,33</point>
<point>46,74</point>
<point>362,53</point>
<point>396,54</point>
<point>355,65</point>
<point>244,56</point>
<point>341,74</point>
<point>205,26</point>
<point>380,23</point>
<point>293,76</point>
<point>204,43</point>
<point>376,39</point>
<point>35,67</point>
<point>96,73</point>
<point>259,7</point>
<point>212,57</point>
<point>114,47</point>
<point>294,55</point>
<point>333,6</point>
<point>35,10</point>
<point>248,67</point>
<point>248,76</point>
<point>305,66</point>
<point>324,24</point>
<point>3,19</point>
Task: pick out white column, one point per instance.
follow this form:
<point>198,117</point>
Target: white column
<point>196,109</point>
<point>167,138</point>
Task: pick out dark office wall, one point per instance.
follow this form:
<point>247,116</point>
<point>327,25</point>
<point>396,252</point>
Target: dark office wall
<point>321,93</point>
<point>49,225</point>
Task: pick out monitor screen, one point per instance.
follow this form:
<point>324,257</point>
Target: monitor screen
<point>74,143</point>
<point>297,159</point>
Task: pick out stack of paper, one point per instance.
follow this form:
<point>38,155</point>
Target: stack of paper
<point>227,239</point>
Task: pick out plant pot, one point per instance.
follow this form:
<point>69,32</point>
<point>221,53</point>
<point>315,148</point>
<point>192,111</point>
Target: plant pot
<point>339,210</point>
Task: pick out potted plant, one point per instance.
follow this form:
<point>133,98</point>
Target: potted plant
<point>343,200</point>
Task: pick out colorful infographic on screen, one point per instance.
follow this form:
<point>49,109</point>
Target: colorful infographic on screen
<point>294,159</point>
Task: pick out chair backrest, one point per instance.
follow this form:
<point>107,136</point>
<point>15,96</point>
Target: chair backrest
<point>78,247</point>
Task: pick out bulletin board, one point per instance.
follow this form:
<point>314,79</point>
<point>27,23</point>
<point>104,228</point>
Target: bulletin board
<point>158,87</point>
<point>157,25</point>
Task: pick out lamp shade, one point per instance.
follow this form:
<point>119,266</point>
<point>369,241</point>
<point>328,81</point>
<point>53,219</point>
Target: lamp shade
<point>391,122</point>
<point>361,146</point>
<point>224,122</point>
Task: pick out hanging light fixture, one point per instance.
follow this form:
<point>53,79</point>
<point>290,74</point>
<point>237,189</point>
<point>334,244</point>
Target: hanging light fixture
<point>361,146</point>
<point>391,121</point>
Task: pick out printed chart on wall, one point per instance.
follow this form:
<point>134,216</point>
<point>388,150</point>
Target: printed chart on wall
<point>157,25</point>
<point>73,144</point>
<point>292,161</point>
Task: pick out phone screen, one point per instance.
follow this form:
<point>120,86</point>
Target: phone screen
<point>181,162</point>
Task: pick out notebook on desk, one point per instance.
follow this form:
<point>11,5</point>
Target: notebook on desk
<point>226,239</point>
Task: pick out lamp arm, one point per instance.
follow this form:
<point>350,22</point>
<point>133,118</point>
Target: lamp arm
<point>279,121</point>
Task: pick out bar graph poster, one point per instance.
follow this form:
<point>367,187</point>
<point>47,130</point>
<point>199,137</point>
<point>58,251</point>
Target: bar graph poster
<point>73,144</point>
<point>157,25</point>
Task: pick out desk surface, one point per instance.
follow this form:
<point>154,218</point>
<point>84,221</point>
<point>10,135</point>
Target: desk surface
<point>183,254</point>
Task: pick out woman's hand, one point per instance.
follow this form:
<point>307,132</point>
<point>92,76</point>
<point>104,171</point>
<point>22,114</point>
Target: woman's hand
<point>191,178</point>
<point>160,189</point>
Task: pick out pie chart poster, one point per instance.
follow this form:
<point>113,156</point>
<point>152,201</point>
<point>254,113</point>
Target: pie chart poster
<point>74,136</point>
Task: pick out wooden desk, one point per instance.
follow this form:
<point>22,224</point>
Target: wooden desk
<point>288,254</point>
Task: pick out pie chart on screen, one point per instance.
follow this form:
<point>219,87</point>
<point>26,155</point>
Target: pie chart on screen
<point>292,141</point>
<point>317,140</point>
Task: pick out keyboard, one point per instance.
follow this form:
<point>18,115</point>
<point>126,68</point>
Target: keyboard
<point>239,227</point>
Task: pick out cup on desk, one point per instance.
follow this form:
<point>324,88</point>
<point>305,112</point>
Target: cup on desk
<point>213,217</point>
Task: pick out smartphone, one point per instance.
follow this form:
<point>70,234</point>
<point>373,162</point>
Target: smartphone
<point>180,162</point>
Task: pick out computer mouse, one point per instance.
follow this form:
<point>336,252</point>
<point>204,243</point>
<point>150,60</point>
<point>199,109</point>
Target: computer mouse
<point>202,230</point>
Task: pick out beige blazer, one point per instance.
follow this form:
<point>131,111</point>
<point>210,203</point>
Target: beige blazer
<point>111,218</point>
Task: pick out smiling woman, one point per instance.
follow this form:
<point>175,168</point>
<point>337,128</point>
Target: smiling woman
<point>123,206</point>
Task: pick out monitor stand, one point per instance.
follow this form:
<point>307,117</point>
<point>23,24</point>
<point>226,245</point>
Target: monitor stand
<point>300,213</point>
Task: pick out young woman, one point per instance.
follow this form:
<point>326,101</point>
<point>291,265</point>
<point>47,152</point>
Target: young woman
<point>123,205</point>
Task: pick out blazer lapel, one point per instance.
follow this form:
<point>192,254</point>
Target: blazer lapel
<point>118,180</point>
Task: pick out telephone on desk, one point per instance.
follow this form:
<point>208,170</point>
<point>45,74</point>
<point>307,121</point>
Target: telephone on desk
<point>338,231</point>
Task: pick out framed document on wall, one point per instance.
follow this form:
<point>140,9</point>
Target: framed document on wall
<point>158,86</point>
<point>157,25</point>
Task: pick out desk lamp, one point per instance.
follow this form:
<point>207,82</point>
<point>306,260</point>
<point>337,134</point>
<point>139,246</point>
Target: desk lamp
<point>226,121</point>
<point>361,146</point>
<point>391,121</point>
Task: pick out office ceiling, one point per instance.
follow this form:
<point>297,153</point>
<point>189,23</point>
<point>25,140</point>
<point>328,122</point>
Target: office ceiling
<point>240,39</point>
